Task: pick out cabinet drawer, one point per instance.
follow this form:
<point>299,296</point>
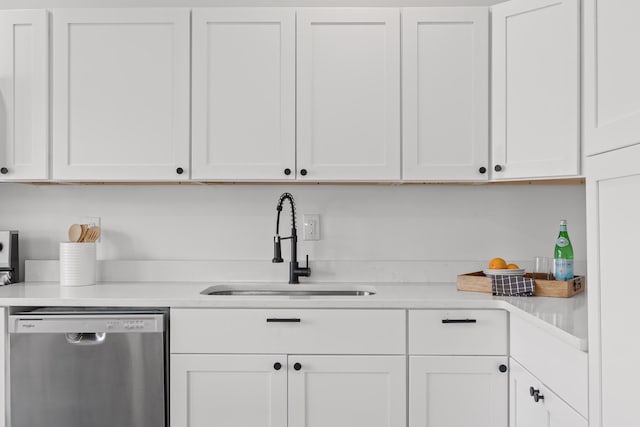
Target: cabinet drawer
<point>458,332</point>
<point>559,366</point>
<point>288,331</point>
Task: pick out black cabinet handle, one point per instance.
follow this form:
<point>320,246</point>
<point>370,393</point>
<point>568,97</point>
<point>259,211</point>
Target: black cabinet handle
<point>538,397</point>
<point>283,320</point>
<point>297,366</point>
<point>459,321</point>
<point>179,171</point>
<point>287,171</point>
<point>533,391</point>
<point>497,168</point>
<point>277,366</point>
<point>502,368</point>
<point>482,170</point>
<point>4,171</point>
<point>303,172</point>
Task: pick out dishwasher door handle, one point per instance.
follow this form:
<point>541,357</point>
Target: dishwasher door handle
<point>85,338</point>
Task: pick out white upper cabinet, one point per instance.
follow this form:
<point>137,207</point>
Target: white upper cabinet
<point>24,95</point>
<point>348,123</point>
<point>243,93</point>
<point>445,93</point>
<point>121,94</point>
<point>611,70</point>
<point>535,88</point>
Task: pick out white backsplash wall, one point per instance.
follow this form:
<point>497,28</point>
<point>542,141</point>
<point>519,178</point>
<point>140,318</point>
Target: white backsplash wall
<point>362,227</point>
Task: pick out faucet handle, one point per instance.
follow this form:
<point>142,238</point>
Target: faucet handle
<point>306,269</point>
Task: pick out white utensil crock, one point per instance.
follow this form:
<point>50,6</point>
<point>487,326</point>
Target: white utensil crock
<point>77,264</point>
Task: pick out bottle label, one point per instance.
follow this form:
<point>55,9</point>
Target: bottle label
<point>563,269</point>
<point>562,242</point>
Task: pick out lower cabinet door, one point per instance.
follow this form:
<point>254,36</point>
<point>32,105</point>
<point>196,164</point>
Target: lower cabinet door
<point>549,410</point>
<point>458,391</point>
<point>228,390</point>
<point>347,391</point>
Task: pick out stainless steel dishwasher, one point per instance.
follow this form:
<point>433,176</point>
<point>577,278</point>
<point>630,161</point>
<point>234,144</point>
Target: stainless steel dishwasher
<point>88,368</point>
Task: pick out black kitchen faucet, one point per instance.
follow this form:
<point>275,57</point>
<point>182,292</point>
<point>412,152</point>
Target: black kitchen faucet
<point>295,271</point>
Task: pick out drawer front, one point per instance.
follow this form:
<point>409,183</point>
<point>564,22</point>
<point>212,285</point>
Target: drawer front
<point>562,368</point>
<point>458,332</point>
<point>288,331</point>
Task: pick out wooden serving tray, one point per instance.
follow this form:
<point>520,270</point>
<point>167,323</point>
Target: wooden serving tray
<point>478,282</point>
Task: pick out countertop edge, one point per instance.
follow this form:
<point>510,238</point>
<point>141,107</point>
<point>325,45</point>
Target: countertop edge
<point>389,302</point>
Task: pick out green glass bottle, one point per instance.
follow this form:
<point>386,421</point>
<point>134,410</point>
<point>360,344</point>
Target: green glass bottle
<point>563,254</point>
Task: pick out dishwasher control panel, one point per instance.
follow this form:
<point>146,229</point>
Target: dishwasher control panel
<point>117,323</point>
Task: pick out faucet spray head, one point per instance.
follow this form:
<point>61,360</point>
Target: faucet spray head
<point>277,250</point>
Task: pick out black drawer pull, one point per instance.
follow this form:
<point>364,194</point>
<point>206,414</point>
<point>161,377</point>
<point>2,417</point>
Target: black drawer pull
<point>283,320</point>
<point>459,321</point>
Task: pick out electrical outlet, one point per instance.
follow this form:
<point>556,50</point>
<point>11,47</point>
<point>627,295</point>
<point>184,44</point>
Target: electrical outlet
<point>311,227</point>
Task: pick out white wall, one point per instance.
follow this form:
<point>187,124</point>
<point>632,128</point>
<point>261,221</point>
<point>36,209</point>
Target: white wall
<point>359,223</point>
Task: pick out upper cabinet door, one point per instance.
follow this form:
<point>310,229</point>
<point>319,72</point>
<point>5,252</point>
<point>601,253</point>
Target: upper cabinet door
<point>243,93</point>
<point>535,88</point>
<point>611,70</point>
<point>445,93</point>
<point>24,95</point>
<point>348,94</point>
<point>121,94</point>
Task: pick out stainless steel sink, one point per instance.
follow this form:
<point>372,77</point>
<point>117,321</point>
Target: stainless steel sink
<point>290,290</point>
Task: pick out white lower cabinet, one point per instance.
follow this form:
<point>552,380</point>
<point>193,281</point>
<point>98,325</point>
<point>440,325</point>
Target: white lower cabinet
<point>228,390</point>
<point>534,405</point>
<point>458,373</point>
<point>347,391</point>
<point>259,390</point>
<point>288,367</point>
<point>450,391</point>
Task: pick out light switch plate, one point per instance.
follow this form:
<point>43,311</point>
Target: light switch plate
<point>311,227</point>
<point>92,221</point>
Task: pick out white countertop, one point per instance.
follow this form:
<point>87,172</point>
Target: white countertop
<point>565,318</point>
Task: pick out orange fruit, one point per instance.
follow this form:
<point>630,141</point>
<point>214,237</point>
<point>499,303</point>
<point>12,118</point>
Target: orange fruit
<point>497,264</point>
<point>513,267</point>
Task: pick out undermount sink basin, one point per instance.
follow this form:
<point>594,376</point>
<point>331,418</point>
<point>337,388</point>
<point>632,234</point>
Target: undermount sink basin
<point>290,290</point>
